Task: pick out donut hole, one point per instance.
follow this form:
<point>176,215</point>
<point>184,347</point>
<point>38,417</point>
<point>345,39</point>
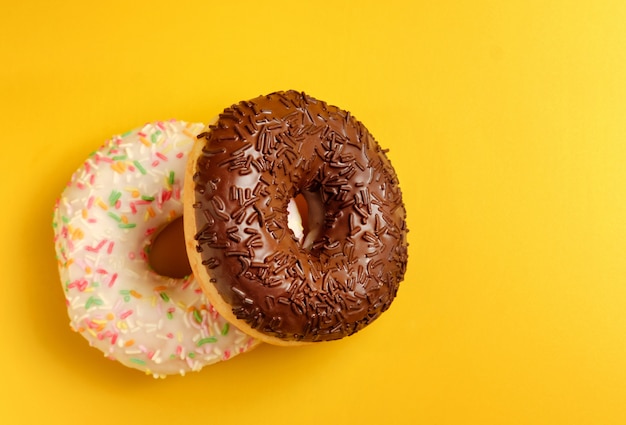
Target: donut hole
<point>306,212</point>
<point>298,220</point>
<point>167,255</point>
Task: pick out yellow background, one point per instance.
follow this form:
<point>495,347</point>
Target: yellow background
<point>506,122</point>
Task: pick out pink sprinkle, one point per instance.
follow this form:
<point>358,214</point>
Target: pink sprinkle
<point>179,155</point>
<point>133,208</point>
<point>150,354</point>
<point>167,194</point>
<point>131,255</point>
<point>113,338</point>
<point>110,248</point>
<point>161,125</point>
<point>97,247</point>
<point>226,354</point>
<point>101,271</point>
<point>160,155</point>
<point>177,192</point>
<point>126,314</point>
<point>131,168</point>
<point>150,231</point>
<point>80,284</point>
<point>187,283</point>
<point>87,167</point>
<point>118,204</point>
<point>92,179</point>
<point>142,134</point>
<point>92,220</point>
<point>113,279</point>
<point>90,202</point>
<point>155,163</point>
<point>80,185</point>
<point>170,335</point>
<point>179,350</point>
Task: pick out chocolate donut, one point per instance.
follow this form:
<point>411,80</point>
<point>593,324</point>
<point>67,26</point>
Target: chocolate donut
<point>243,172</point>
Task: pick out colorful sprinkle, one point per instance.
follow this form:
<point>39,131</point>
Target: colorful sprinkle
<point>208,340</point>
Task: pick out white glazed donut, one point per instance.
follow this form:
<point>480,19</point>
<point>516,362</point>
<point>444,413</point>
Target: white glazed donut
<point>104,224</point>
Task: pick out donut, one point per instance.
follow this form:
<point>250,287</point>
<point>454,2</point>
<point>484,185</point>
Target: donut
<point>241,176</point>
<point>105,221</point>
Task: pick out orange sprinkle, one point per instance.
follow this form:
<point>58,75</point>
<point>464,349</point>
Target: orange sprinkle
<point>124,219</point>
<point>110,316</point>
<point>172,214</point>
<point>144,141</point>
<point>129,343</point>
<point>135,193</point>
<point>119,167</point>
<point>135,293</point>
<point>87,270</point>
<point>101,204</point>
<point>84,213</point>
<point>77,234</point>
<point>151,212</point>
<point>160,288</point>
<point>189,134</point>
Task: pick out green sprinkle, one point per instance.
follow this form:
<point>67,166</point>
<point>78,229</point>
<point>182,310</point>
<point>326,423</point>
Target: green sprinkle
<point>139,167</point>
<point>206,341</point>
<point>147,198</point>
<point>136,360</point>
<point>171,178</point>
<point>192,355</point>
<point>170,315</point>
<point>65,219</point>
<point>119,157</point>
<point>126,225</point>
<point>155,137</point>
<point>126,294</point>
<point>114,197</point>
<point>127,133</point>
<point>114,216</point>
<point>197,316</point>
<point>93,301</point>
<point>164,296</point>
<point>225,329</point>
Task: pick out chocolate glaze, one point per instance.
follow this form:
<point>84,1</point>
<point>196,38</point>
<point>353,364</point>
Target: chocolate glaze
<point>257,156</point>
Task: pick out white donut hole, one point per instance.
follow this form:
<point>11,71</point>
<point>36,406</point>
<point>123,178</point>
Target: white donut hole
<point>294,219</point>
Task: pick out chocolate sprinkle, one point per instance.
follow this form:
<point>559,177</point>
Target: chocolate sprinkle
<point>257,157</point>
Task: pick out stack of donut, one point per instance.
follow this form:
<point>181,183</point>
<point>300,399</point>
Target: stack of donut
<point>255,277</point>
